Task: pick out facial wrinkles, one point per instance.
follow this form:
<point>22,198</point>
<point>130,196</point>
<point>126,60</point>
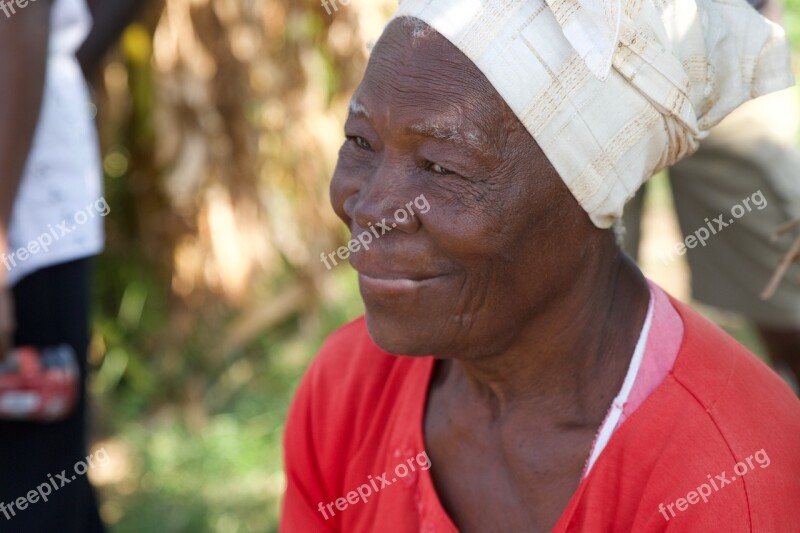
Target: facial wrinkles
<point>475,296</point>
<point>423,81</point>
<point>466,312</point>
<point>477,200</point>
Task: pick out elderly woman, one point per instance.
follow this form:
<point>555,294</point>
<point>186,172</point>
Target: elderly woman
<point>544,384</point>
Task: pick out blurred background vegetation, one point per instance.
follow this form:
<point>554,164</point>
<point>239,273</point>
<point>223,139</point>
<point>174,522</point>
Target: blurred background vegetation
<point>220,121</point>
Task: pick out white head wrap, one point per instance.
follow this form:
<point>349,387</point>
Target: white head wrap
<point>615,90</point>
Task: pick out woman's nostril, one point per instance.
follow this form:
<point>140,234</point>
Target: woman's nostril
<point>349,207</point>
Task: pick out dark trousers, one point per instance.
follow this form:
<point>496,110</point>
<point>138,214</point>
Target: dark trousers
<point>52,307</point>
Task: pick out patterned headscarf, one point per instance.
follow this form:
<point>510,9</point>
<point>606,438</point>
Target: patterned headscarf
<point>615,90</point>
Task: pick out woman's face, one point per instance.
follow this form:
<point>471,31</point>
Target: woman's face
<point>495,235</point>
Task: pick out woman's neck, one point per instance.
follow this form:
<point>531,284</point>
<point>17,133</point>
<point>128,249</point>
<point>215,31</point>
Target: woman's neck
<point>571,358</point>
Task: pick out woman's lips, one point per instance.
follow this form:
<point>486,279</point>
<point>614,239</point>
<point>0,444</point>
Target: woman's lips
<point>392,275</point>
<point>396,283</point>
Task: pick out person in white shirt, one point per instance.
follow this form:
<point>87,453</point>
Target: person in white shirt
<point>51,209</point>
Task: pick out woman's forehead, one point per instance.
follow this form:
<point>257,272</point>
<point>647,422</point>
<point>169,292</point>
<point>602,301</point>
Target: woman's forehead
<point>429,63</point>
<point>428,87</point>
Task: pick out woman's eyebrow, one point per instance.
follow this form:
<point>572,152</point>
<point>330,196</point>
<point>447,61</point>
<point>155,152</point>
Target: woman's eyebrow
<point>356,108</point>
<point>455,133</point>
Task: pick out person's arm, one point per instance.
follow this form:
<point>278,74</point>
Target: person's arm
<point>23,60</point>
<point>24,37</point>
<point>111,17</point>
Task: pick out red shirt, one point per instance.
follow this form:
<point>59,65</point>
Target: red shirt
<point>716,447</point>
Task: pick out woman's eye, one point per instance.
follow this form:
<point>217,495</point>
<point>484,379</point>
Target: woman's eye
<point>361,142</point>
<point>439,169</point>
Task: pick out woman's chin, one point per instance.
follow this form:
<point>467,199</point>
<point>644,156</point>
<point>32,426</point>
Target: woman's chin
<point>398,336</point>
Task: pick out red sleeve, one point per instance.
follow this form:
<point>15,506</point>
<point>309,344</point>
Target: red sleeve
<point>305,489</point>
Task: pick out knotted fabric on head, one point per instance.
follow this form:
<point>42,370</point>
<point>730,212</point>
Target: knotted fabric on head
<point>615,90</point>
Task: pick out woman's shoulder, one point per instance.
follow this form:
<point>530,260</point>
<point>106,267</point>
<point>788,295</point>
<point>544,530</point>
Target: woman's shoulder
<point>715,447</point>
<point>718,441</point>
<point>730,383</point>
